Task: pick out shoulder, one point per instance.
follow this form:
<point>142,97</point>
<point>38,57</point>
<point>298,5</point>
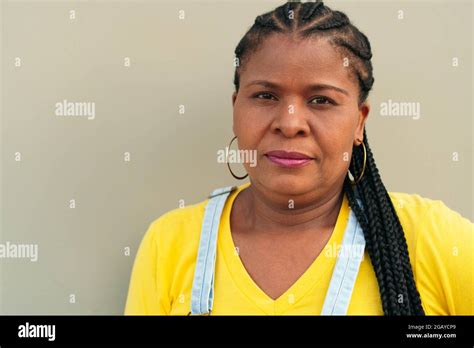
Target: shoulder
<point>179,218</point>
<point>166,251</point>
<point>421,212</point>
<point>179,227</point>
<point>430,220</point>
<point>416,205</point>
<point>177,232</point>
<point>441,247</point>
<point>411,210</point>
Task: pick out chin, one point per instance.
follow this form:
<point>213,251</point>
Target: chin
<point>289,184</point>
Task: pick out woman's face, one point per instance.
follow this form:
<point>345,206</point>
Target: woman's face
<point>311,108</point>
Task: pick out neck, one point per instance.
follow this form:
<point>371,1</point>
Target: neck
<point>269,214</point>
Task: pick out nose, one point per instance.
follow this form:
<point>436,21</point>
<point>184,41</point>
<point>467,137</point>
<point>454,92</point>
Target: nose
<point>291,122</point>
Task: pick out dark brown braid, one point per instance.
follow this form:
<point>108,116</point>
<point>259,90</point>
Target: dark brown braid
<point>385,239</point>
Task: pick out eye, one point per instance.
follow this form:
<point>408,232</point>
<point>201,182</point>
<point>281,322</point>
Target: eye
<point>265,95</point>
<point>323,100</point>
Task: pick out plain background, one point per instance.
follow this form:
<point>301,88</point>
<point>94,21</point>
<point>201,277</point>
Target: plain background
<point>173,156</point>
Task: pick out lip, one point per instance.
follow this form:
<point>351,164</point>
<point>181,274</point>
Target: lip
<point>288,159</point>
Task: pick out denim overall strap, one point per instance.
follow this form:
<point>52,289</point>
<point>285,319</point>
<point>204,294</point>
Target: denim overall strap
<point>202,294</point>
<point>346,269</point>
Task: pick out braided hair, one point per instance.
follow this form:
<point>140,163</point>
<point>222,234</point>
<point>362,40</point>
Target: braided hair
<point>385,239</point>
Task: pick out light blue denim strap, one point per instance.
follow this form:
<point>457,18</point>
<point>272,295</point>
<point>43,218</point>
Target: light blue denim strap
<point>202,294</point>
<point>346,269</point>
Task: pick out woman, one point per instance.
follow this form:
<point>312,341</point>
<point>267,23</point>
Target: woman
<point>274,245</point>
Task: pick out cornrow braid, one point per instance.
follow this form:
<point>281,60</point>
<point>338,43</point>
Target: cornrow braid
<point>385,239</point>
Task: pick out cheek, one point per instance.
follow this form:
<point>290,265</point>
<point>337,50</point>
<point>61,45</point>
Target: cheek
<point>334,136</point>
<point>249,128</point>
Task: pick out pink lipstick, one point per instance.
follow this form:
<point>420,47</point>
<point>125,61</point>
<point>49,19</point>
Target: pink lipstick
<point>288,159</point>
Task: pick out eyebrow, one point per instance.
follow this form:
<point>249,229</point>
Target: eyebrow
<point>312,87</point>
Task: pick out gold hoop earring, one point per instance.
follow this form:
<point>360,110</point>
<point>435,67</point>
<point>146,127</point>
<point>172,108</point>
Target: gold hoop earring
<point>355,182</point>
<point>228,165</point>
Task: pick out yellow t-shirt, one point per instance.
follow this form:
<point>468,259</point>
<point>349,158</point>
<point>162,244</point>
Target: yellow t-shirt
<point>440,243</point>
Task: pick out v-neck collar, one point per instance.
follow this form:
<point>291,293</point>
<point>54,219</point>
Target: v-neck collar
<point>319,267</point>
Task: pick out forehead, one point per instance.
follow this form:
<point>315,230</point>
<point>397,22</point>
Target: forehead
<point>294,61</point>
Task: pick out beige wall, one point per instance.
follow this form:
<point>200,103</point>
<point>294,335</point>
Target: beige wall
<point>173,155</point>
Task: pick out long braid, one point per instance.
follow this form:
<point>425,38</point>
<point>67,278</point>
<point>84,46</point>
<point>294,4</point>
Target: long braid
<point>389,239</point>
<point>385,239</point>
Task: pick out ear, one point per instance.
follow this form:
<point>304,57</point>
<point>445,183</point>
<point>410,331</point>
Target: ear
<point>234,97</point>
<point>364,110</point>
